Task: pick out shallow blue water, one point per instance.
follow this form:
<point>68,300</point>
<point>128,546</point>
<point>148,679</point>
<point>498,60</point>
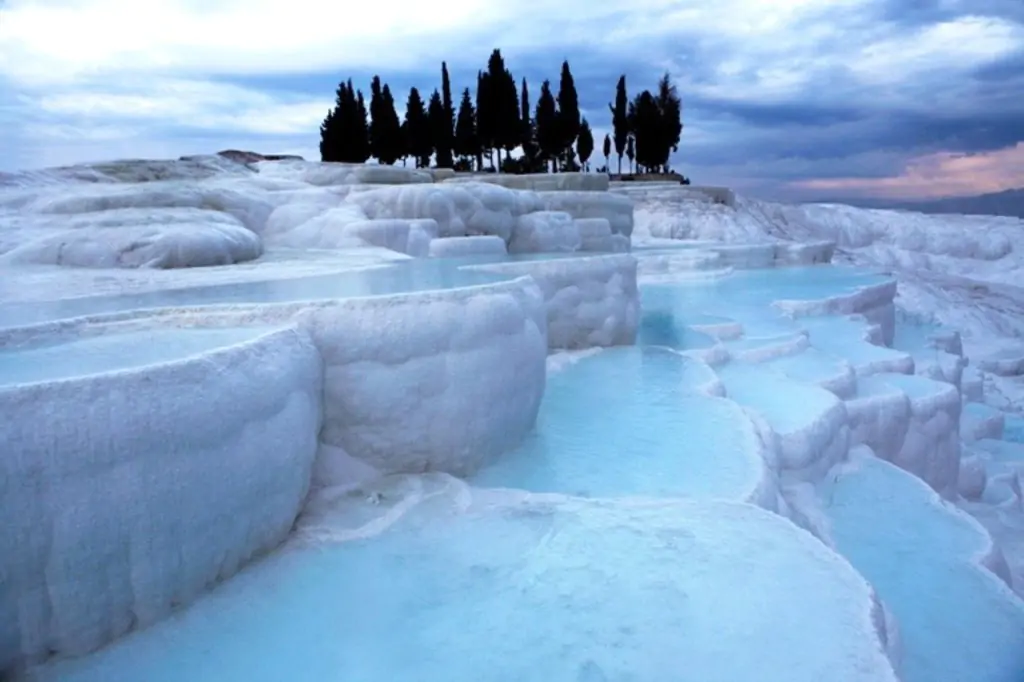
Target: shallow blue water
<point>421,274</point>
<point>628,421</point>
<point>956,620</point>
<point>108,353</point>
<point>746,296</point>
<point>514,594</point>
<point>913,337</point>
<point>1013,428</point>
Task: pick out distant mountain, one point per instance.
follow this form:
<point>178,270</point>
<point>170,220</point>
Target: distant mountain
<point>1006,203</point>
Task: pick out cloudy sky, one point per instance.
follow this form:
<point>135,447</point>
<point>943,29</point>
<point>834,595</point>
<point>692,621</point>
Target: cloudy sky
<point>788,99</point>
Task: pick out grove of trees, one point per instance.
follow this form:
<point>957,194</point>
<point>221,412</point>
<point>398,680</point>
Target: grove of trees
<point>497,117</point>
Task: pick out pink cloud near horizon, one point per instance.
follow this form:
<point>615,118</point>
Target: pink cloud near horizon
<point>936,176</point>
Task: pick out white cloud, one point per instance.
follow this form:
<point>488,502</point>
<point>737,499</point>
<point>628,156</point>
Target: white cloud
<point>951,46</point>
<point>58,41</point>
<point>192,104</point>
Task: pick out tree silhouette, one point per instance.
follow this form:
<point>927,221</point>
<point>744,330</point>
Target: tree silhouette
<point>620,118</point>
<point>328,137</point>
<point>531,152</point>
<point>446,94</point>
<point>440,131</point>
<point>394,142</point>
<point>467,145</point>
<point>548,135</point>
<point>344,133</point>
<point>568,113</point>
<point>360,130</point>
<point>417,130</point>
<point>443,123</point>
<point>379,133</point>
<point>503,100</point>
<point>485,117</point>
<point>646,129</point>
<point>585,143</point>
<point>670,109</point>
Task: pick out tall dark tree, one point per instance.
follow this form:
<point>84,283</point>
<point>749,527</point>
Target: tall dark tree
<point>512,122</point>
<point>631,152</point>
<point>393,147</point>
<point>417,130</point>
<point>403,144</point>
<point>344,134</point>
<point>607,149</point>
<point>585,144</point>
<point>360,131</point>
<point>670,109</point>
<point>440,131</point>
<point>504,102</point>
<point>645,126</point>
<point>528,140</point>
<point>568,112</point>
<point>446,94</point>
<point>620,118</point>
<point>485,116</point>
<point>378,127</point>
<point>467,145</point>
<point>443,123</point>
<point>549,138</point>
<point>525,115</point>
<point>328,137</point>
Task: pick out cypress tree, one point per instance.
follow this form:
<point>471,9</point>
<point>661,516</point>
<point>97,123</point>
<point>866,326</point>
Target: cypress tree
<point>348,109</point>
<point>607,150</point>
<point>328,137</point>
<point>484,118</point>
<point>529,134</point>
<point>620,118</point>
<point>546,117</point>
<point>585,143</point>
<point>378,125</point>
<point>511,125</point>
<point>417,130</point>
<point>526,125</point>
<point>360,131</point>
<point>645,126</point>
<point>446,95</point>
<point>670,108</point>
<point>631,152</point>
<point>440,131</point>
<point>466,143</point>
<point>403,144</point>
<point>443,123</point>
<point>393,147</point>
<point>496,102</point>
<point>568,112</point>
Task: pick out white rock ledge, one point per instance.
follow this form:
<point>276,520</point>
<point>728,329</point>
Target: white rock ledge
<point>540,182</point>
<point>591,301</point>
<point>874,302</point>
<point>453,247</point>
<point>396,368</point>
<point>158,482</point>
<point>615,208</point>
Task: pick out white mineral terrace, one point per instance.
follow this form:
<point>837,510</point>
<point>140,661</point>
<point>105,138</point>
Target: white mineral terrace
<point>303,421</point>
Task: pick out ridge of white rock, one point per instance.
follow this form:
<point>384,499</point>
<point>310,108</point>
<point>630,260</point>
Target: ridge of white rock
<point>591,301</point>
